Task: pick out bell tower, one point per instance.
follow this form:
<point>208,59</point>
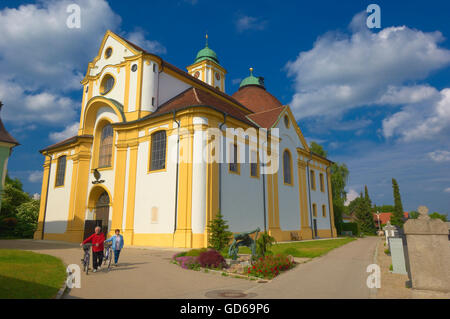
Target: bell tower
<point>206,67</point>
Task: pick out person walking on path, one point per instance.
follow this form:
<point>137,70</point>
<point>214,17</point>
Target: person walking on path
<point>117,245</point>
<point>97,239</point>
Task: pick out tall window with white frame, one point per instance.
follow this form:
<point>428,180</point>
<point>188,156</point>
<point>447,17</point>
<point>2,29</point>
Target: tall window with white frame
<point>106,146</point>
<point>158,152</point>
<point>287,167</point>
<point>60,171</point>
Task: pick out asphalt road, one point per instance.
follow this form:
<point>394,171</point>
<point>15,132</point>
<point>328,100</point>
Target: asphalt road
<point>148,273</point>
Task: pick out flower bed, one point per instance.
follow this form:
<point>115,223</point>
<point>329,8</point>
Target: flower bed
<point>270,266</point>
<point>266,268</point>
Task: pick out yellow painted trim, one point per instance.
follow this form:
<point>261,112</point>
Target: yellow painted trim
<point>129,231</point>
<point>139,86</point>
<point>127,87</point>
<point>331,210</point>
<point>103,83</point>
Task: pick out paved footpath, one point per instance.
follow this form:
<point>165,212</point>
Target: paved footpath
<point>148,273</point>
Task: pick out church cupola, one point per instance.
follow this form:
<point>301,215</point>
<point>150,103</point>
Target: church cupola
<point>252,80</point>
<point>206,67</point>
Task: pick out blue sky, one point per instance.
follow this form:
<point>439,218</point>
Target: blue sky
<point>378,100</point>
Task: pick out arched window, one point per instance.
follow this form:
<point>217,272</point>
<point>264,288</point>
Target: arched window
<point>287,167</point>
<point>158,153</point>
<point>106,146</point>
<point>60,171</point>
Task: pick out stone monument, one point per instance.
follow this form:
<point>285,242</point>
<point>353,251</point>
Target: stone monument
<point>429,252</point>
<point>389,231</point>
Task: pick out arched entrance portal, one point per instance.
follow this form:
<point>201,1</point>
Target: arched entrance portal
<point>102,212</point>
<point>98,211</point>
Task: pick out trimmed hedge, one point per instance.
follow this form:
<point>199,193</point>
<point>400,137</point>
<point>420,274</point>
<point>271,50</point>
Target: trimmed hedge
<point>353,227</point>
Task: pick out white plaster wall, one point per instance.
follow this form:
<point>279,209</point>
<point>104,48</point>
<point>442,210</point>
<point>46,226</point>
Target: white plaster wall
<point>118,55</point>
<point>321,198</point>
<point>199,182</point>
<point>169,87</point>
<point>149,86</point>
<point>155,189</point>
<point>133,88</point>
<point>242,196</point>
<point>58,200</point>
<point>118,91</point>
<point>288,196</point>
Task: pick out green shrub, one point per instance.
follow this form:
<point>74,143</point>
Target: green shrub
<point>219,236</point>
<point>387,251</point>
<point>353,227</point>
<point>263,243</point>
<point>391,268</point>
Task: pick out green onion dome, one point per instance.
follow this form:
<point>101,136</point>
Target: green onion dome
<point>252,80</point>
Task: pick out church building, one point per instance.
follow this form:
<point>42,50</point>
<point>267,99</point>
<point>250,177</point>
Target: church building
<point>160,151</point>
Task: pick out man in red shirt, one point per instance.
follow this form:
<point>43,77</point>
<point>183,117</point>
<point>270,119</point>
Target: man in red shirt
<point>97,240</point>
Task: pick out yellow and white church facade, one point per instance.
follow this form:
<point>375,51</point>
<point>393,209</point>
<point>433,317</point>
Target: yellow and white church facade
<point>145,161</point>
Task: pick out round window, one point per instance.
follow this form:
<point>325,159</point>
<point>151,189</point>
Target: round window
<point>108,52</point>
<point>107,84</point>
<point>134,67</point>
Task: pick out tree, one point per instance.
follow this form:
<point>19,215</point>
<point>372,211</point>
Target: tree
<point>317,149</point>
<point>12,197</point>
<point>383,208</point>
<point>413,214</point>
<point>366,196</point>
<point>263,243</point>
<point>397,216</point>
<point>219,236</point>
<point>364,217</point>
<point>27,218</point>
<point>19,212</point>
<point>439,216</point>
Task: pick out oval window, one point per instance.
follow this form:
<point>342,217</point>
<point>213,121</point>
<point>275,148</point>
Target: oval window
<point>108,52</point>
<point>107,84</point>
<point>134,67</point>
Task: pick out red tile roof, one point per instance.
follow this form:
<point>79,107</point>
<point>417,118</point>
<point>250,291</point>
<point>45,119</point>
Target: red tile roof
<point>385,217</point>
<point>256,98</point>
<point>267,118</point>
<point>195,97</point>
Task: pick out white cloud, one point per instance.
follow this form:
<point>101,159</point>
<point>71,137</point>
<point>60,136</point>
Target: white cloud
<point>236,81</point>
<point>42,60</point>
<point>35,176</point>
<point>342,71</point>
<point>24,108</point>
<point>138,37</point>
<point>421,120</point>
<point>440,156</point>
<point>69,131</point>
<point>245,23</point>
<point>447,190</point>
<point>351,195</point>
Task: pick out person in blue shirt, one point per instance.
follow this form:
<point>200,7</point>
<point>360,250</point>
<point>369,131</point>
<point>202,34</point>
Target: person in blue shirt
<point>117,245</point>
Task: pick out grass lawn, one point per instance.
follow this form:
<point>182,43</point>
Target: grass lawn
<point>24,274</point>
<point>308,249</point>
